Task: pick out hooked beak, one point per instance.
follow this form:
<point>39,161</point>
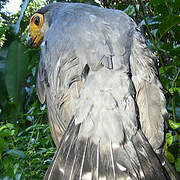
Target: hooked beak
<point>34,39</point>
<point>31,42</point>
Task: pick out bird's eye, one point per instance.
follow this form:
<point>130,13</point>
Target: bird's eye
<point>37,20</point>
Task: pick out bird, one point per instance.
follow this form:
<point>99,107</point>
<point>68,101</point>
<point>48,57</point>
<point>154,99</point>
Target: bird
<point>106,107</point>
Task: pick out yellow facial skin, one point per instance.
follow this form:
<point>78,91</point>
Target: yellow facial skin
<point>35,34</point>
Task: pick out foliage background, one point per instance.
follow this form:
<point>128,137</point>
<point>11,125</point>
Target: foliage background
<point>26,147</point>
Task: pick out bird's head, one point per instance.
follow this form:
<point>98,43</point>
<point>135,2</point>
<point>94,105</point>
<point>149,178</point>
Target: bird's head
<point>39,24</point>
<point>36,32</point>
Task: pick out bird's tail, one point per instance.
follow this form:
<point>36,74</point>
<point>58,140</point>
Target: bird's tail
<point>80,158</point>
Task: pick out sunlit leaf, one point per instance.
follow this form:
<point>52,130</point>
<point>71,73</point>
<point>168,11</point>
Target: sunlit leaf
<point>174,125</point>
<point>8,125</point>
<point>169,138</point>
<point>172,90</point>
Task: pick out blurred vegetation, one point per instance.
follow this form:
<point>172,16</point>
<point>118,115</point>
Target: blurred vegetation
<point>26,146</point>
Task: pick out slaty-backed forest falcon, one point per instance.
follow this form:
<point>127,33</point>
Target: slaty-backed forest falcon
<point>106,108</point>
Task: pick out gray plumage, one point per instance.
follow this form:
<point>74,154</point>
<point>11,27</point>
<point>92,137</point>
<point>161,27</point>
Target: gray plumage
<point>105,103</point>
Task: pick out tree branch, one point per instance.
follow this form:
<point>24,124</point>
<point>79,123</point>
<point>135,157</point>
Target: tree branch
<point>17,25</point>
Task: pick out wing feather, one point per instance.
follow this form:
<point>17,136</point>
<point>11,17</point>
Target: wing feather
<point>149,96</point>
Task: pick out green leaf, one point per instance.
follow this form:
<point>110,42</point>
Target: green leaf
<point>16,166</point>
<point>177,164</point>
<point>167,68</point>
<point>174,89</point>
<point>35,126</point>
<point>168,23</point>
<point>8,125</point>
<point>130,10</point>
<point>7,130</point>
<point>18,176</point>
<point>41,151</point>
<point>2,145</point>
<point>169,156</point>
<point>15,70</point>
<point>15,152</point>
<point>169,138</point>
<point>174,125</point>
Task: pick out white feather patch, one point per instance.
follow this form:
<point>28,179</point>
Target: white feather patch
<point>87,176</point>
<point>115,145</point>
<point>122,168</point>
